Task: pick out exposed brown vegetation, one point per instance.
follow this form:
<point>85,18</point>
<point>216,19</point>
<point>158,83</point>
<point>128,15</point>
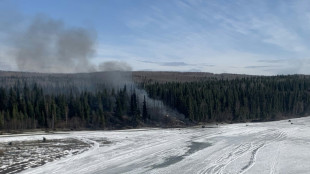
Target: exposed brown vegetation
<point>169,76</point>
<point>1,152</point>
<point>86,79</point>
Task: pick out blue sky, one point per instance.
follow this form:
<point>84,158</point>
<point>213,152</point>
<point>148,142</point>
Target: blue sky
<point>220,36</point>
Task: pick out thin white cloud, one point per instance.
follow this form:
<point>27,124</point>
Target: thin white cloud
<point>247,37</point>
<point>273,32</point>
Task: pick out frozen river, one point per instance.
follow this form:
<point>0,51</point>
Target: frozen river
<point>272,147</point>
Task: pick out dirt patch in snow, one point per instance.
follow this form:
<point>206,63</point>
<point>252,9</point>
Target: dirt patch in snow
<point>20,155</point>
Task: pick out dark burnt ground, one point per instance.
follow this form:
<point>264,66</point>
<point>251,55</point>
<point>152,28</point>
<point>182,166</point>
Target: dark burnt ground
<point>29,154</point>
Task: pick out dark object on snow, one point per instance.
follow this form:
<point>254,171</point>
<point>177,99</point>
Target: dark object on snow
<point>203,126</point>
<point>1,152</point>
<point>291,123</point>
<point>289,120</point>
<point>10,143</point>
<point>44,139</point>
<point>246,125</point>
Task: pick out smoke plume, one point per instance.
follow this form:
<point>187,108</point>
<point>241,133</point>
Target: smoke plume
<point>115,66</point>
<point>119,74</point>
<point>48,46</point>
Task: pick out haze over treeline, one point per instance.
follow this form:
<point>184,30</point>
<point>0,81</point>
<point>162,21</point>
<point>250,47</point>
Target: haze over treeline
<point>230,98</point>
<point>102,100</point>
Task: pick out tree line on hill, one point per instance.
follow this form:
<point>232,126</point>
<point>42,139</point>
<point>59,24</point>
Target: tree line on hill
<point>33,106</point>
<point>29,107</point>
<point>236,100</point>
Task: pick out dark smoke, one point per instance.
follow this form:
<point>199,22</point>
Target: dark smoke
<point>48,46</point>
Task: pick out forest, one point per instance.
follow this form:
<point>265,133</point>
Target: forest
<point>238,100</point>
<point>29,107</point>
<point>67,105</point>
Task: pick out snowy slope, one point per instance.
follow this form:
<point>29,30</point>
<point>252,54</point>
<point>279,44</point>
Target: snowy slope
<point>273,147</point>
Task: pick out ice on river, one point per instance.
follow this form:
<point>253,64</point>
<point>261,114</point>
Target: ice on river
<point>272,147</point>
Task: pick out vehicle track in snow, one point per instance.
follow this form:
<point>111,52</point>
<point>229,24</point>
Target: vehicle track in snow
<point>252,161</point>
<point>220,164</point>
<point>276,157</point>
<point>156,149</point>
<point>235,148</point>
<point>262,139</point>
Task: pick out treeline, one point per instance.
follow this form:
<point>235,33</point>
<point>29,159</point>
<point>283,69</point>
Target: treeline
<point>29,107</point>
<point>32,106</point>
<point>244,99</point>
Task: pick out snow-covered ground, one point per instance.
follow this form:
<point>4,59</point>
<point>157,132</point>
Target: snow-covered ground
<point>273,147</point>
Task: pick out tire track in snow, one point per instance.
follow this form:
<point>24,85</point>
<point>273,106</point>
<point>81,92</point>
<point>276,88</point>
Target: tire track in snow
<point>130,155</point>
<point>271,138</point>
<point>222,162</point>
<point>265,138</point>
<point>186,137</point>
<point>252,159</point>
<point>275,160</point>
<point>275,137</point>
<point>238,153</point>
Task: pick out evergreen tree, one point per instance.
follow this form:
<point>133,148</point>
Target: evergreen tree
<point>145,115</point>
<point>134,109</point>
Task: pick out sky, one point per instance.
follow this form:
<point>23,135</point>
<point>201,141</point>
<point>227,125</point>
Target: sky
<point>259,37</point>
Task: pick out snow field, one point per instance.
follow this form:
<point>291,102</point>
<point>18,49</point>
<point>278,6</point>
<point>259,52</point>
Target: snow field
<point>270,147</point>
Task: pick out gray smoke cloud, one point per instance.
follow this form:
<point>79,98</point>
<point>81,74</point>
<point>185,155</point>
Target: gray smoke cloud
<point>43,44</point>
<point>48,46</point>
<point>119,74</point>
<point>115,66</point>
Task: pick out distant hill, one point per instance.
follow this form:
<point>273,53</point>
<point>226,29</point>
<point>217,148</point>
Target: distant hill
<point>87,80</point>
<point>170,76</point>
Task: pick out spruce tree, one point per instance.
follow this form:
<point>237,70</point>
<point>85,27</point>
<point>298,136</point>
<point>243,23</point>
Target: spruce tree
<point>145,115</point>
